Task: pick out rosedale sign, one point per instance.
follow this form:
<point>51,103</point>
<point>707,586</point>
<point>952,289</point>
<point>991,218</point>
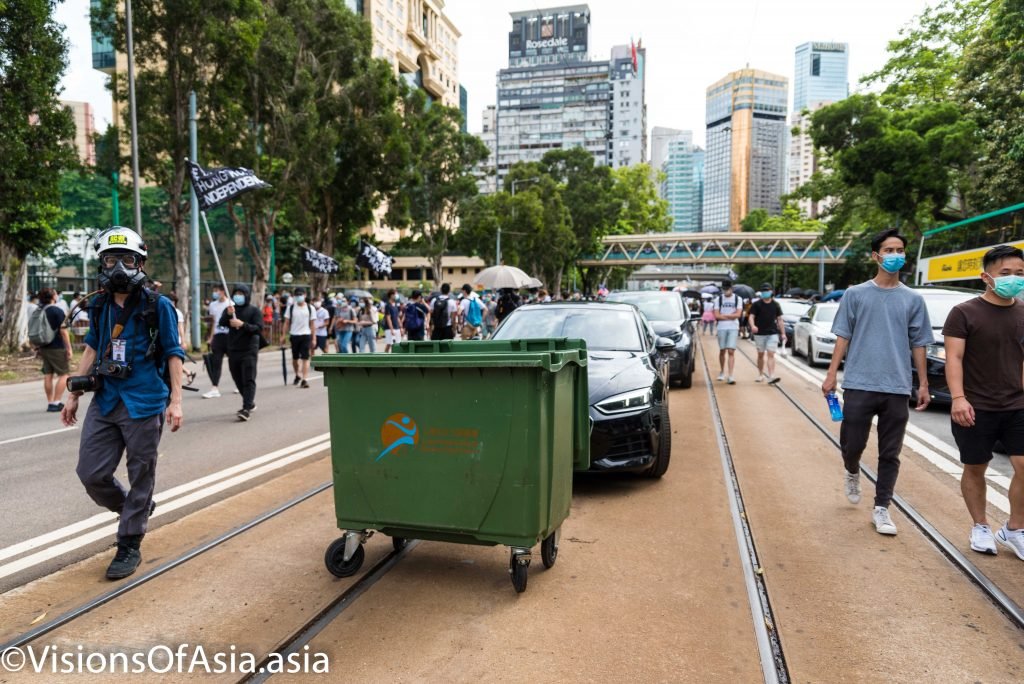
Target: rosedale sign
<point>550,42</point>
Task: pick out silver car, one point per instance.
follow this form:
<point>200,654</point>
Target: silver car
<point>812,335</point>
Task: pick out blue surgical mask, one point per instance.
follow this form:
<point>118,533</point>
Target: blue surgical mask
<point>238,299</point>
<point>300,298</point>
<point>1008,286</point>
<point>766,295</point>
<point>215,296</point>
<point>892,263</point>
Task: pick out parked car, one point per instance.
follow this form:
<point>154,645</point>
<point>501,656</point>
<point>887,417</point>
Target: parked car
<point>627,372</point>
<point>940,301</point>
<point>812,335</point>
<point>792,311</point>
<point>672,319</point>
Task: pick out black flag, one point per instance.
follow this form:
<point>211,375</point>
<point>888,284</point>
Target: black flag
<point>217,186</point>
<point>373,259</point>
<point>321,263</point>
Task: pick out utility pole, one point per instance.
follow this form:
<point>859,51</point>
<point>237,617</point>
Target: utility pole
<point>497,251</point>
<point>193,151</point>
<point>134,121</point>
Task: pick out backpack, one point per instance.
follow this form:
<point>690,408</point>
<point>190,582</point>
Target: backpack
<point>40,332</point>
<point>474,315</point>
<point>439,312</point>
<point>736,301</point>
<point>413,317</point>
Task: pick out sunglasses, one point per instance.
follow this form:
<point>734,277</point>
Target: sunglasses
<point>128,260</point>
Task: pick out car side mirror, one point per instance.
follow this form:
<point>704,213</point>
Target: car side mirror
<point>664,344</point>
<point>805,319</point>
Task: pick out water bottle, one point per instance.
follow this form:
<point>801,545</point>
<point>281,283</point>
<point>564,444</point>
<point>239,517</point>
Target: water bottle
<point>833,407</point>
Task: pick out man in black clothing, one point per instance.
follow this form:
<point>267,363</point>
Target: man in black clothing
<point>245,325</point>
<point>768,328</point>
<point>508,302</point>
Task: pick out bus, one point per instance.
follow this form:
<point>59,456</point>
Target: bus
<point>951,254</point>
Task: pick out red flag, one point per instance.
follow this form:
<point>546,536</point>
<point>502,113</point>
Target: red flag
<point>632,47</point>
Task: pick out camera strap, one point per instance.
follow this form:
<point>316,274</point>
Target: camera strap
<point>122,319</point>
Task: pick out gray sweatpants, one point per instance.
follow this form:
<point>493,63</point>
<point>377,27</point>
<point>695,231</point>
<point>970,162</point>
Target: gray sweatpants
<point>104,439</point>
<point>893,412</point>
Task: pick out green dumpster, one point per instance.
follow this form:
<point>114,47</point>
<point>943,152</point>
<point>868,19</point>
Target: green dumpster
<point>463,447</point>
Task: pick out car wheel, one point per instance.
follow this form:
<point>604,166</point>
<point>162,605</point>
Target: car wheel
<point>664,455</point>
<point>685,380</point>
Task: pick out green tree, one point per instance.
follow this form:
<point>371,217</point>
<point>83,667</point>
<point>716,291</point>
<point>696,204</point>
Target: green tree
<point>642,210</point>
<point>438,180</point>
<point>35,146</point>
<point>182,46</point>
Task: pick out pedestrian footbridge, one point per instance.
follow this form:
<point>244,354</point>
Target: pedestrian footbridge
<point>704,248</point>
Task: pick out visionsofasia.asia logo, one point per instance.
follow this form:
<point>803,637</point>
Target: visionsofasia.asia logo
<point>397,431</point>
<point>400,430</point>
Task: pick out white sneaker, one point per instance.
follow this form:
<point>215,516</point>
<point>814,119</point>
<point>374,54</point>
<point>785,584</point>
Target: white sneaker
<point>731,380</point>
<point>885,525</point>
<point>721,377</point>
<point>760,378</point>
<point>212,394</point>
<point>852,485</point>
<point>982,540</point>
<point>235,391</point>
<point>1011,539</point>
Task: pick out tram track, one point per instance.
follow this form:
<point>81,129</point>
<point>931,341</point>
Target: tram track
<point>940,542</point>
<point>769,645</point>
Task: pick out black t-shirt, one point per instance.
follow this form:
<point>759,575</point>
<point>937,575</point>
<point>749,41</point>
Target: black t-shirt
<point>55,317</point>
<point>766,315</point>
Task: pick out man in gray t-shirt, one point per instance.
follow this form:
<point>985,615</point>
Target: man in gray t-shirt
<point>880,327</point>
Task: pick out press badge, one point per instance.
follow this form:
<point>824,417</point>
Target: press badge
<point>117,349</point>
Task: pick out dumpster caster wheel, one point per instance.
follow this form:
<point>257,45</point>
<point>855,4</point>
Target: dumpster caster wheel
<point>549,549</point>
<point>519,572</point>
<point>399,543</point>
<point>334,559</point>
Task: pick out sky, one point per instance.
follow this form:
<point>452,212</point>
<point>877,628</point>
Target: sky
<point>690,44</point>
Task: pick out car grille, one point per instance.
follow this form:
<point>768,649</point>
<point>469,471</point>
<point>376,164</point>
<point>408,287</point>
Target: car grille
<point>628,446</point>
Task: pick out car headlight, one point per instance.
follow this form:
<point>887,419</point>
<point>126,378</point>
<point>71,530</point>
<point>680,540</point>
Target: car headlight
<point>936,351</point>
<point>825,340</point>
<point>628,401</point>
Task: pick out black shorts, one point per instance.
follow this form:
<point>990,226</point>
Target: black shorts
<point>321,343</point>
<point>976,442</point>
<point>300,346</point>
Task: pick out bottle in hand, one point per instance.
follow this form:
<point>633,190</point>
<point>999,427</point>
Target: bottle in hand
<point>833,407</point>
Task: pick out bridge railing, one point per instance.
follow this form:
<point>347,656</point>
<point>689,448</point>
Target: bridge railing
<point>703,248</point>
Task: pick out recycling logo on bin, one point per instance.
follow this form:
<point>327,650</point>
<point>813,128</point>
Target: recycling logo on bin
<point>397,431</point>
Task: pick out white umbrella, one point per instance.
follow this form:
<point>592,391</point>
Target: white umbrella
<point>498,277</point>
<point>534,282</point>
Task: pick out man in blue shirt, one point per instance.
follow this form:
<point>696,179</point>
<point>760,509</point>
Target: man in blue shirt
<point>132,360</point>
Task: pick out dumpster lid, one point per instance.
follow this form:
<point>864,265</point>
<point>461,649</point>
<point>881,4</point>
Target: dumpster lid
<point>549,360</point>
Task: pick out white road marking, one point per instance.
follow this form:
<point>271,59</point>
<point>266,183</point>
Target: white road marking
<point>319,442</point>
<point>38,434</point>
<point>933,449</point>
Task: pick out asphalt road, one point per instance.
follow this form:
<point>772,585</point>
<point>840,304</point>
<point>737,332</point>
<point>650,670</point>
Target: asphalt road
<point>40,492</point>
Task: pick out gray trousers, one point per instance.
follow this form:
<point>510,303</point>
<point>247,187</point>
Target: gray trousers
<point>104,439</point>
<point>893,411</point>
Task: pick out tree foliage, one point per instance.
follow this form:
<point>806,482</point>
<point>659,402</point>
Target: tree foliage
<point>36,137</point>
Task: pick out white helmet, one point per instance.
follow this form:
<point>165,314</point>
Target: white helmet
<point>120,239</point>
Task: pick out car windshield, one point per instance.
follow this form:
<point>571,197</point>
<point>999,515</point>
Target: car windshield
<point>792,307</point>
<point>939,306</point>
<point>825,314</point>
<point>603,329</point>
<point>656,307</point>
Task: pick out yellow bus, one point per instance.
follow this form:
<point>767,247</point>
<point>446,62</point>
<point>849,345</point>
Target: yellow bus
<point>951,254</point>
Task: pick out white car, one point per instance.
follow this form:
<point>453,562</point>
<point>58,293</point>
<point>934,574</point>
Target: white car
<point>812,335</point>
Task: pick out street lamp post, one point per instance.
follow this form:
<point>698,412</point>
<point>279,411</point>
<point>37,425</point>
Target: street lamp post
<point>497,255</point>
<point>134,122</point>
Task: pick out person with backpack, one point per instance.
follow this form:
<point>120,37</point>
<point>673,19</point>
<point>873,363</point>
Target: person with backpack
<point>49,337</point>
<point>471,314</point>
<point>442,314</point>
<point>416,313</point>
<point>728,309</point>
<point>300,322</point>
<point>132,361</point>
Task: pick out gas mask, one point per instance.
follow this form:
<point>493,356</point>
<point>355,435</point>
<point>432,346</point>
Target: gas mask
<point>121,279</point>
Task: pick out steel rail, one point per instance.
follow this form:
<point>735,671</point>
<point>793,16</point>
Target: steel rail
<point>1003,602</point>
<point>769,645</point>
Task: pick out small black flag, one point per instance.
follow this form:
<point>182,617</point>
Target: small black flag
<point>321,263</point>
<point>217,186</point>
<point>373,259</point>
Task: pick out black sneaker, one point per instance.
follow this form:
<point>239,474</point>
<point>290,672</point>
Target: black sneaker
<point>304,385</point>
<point>243,414</point>
<point>126,561</point>
<point>53,408</point>
<point>296,380</point>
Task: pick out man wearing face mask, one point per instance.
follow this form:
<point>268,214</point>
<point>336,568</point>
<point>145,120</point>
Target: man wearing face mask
<point>218,340</point>
<point>245,323</point>
<point>132,361</point>
<point>881,327</point>
<point>984,340</point>
<point>300,323</point>
<point>767,326</point>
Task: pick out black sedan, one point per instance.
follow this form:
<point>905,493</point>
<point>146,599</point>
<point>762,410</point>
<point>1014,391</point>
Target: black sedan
<point>939,301</point>
<point>627,373</point>
<point>670,318</point>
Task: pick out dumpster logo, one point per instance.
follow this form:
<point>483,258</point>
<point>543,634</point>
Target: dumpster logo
<point>397,431</point>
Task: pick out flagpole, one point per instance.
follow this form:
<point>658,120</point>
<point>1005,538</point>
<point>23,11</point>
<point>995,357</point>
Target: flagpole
<point>216,259</point>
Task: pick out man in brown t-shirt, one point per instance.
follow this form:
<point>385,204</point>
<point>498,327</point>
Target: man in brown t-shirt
<point>984,340</point>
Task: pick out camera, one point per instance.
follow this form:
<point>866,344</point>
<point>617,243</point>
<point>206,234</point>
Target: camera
<point>84,383</point>
<point>113,369</point>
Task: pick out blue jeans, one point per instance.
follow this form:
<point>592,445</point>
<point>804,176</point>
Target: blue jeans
<point>344,340</point>
<point>368,338</point>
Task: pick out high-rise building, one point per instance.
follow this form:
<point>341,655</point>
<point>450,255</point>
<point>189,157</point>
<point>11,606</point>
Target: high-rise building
<point>660,139</point>
<point>820,78</point>
<point>821,74</point>
<point>485,171</point>
<point>85,128</point>
<point>745,163</point>
<point>553,96</point>
<point>683,183</point>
